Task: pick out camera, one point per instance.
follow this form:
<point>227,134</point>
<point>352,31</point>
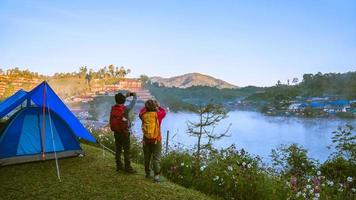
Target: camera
<point>130,94</point>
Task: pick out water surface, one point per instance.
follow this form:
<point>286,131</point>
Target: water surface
<point>259,134</point>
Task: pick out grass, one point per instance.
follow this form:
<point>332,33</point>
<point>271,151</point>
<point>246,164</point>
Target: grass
<point>90,177</point>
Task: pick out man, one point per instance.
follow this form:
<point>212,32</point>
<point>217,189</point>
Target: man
<point>120,123</point>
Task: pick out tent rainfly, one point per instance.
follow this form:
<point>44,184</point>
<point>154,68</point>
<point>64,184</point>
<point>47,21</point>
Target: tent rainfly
<point>44,128</point>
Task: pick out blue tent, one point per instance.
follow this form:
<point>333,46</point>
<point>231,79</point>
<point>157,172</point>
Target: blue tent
<point>41,129</point>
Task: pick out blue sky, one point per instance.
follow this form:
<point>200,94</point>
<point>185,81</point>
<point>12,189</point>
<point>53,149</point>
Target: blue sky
<point>243,42</point>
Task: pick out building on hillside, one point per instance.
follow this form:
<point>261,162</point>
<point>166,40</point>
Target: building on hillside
<point>127,84</point>
<point>130,83</point>
<point>338,106</point>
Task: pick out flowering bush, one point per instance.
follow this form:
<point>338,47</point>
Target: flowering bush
<point>234,174</point>
<point>228,173</point>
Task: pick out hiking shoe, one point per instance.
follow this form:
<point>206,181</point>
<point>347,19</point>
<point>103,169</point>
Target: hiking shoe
<point>157,179</point>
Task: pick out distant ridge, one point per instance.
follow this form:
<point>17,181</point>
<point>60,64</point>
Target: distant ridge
<point>191,79</point>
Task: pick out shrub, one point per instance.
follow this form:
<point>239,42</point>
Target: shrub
<point>226,173</point>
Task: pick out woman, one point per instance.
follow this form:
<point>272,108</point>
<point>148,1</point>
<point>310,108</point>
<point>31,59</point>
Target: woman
<point>151,116</point>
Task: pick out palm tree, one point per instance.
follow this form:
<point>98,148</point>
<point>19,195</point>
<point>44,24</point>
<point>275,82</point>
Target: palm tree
<point>83,71</point>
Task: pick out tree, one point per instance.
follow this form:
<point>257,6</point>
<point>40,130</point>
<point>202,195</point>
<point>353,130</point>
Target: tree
<point>83,71</point>
<point>88,77</point>
<point>278,82</point>
<point>209,116</point>
<point>144,79</point>
<point>293,160</point>
<point>344,141</point>
<point>122,72</point>
<point>295,81</point>
<point>111,70</point>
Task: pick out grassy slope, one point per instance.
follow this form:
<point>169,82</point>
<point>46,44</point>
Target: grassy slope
<point>90,177</point>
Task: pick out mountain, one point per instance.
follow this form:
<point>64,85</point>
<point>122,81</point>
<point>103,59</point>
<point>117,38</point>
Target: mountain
<point>191,79</point>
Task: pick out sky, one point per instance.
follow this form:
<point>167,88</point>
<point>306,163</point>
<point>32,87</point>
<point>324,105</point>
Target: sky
<point>242,42</point>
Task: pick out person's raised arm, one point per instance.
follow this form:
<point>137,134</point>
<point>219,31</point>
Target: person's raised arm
<point>133,102</point>
<point>161,112</point>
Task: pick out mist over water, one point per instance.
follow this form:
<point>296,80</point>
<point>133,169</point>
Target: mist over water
<point>258,134</point>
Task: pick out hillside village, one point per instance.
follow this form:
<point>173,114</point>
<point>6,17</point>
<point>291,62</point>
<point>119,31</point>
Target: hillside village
<point>133,85</point>
<point>70,89</point>
<point>74,90</point>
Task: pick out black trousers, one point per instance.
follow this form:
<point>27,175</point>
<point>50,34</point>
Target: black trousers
<point>122,143</point>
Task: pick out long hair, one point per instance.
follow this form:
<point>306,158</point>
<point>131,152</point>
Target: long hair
<point>150,106</point>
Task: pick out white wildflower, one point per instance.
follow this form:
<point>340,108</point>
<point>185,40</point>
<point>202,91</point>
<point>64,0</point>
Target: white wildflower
<point>330,183</point>
<point>311,191</point>
<point>182,164</point>
<point>304,195</point>
<point>349,179</point>
<point>249,166</point>
<point>308,186</point>
<point>298,194</point>
<point>318,173</point>
<point>202,168</point>
<point>244,164</point>
<point>216,178</point>
<point>230,168</point>
<point>317,195</point>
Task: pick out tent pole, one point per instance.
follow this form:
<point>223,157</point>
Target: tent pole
<point>53,143</point>
<point>43,123</point>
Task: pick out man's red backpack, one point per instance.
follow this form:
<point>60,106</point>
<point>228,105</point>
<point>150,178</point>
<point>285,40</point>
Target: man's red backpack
<point>118,120</point>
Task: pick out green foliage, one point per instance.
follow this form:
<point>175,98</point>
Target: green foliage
<point>292,160</point>
<point>227,173</point>
<point>341,84</point>
<point>187,98</point>
<point>342,163</point>
<point>344,140</point>
<point>234,174</point>
<point>276,94</point>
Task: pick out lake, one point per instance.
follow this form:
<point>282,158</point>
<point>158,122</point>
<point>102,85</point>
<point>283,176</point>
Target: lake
<point>258,134</point>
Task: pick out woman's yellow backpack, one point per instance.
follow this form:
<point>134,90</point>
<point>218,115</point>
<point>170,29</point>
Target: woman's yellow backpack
<point>150,125</point>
